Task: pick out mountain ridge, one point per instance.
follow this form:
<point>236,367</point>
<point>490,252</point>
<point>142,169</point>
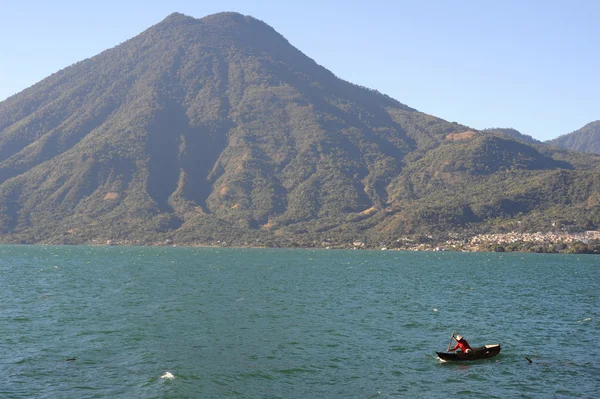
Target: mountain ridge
<point>218,129</point>
<point>586,139</point>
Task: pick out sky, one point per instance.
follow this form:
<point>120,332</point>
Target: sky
<point>526,64</point>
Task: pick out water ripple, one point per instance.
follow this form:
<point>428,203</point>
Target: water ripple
<point>292,323</point>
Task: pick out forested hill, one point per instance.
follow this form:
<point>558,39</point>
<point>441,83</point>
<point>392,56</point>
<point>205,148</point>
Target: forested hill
<point>217,129</point>
<point>586,139</point>
<point>513,134</point>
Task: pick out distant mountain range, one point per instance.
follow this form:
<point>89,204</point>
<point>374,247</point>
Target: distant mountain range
<point>586,139</point>
<point>213,130</point>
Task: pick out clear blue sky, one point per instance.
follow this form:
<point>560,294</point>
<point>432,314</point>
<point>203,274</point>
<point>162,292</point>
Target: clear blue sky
<point>527,64</point>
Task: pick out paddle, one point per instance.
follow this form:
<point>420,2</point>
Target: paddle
<point>450,343</point>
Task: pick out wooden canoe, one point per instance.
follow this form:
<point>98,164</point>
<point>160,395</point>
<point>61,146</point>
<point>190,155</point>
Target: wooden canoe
<point>482,352</point>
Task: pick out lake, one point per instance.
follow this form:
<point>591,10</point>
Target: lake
<point>272,323</point>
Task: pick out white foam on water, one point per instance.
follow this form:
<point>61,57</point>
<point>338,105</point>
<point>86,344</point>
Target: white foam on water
<point>167,376</point>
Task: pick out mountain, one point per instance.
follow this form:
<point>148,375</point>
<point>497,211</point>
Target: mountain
<point>586,139</point>
<point>512,133</point>
<point>217,129</point>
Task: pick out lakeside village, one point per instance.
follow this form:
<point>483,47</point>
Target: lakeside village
<point>587,242</point>
<point>584,242</point>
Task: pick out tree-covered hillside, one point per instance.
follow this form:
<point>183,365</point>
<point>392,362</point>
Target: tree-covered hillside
<point>512,133</point>
<point>217,129</point>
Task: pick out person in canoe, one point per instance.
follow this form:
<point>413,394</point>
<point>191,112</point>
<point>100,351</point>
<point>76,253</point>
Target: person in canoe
<point>462,344</point>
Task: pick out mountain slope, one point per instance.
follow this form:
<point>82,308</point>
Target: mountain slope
<point>217,129</point>
<point>512,133</point>
<point>586,139</point>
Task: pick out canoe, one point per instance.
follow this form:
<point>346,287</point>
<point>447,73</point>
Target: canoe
<point>482,352</point>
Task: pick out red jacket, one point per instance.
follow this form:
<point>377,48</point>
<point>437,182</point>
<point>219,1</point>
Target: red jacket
<point>462,344</point>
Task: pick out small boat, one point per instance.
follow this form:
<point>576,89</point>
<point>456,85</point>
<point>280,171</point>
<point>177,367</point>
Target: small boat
<point>482,352</point>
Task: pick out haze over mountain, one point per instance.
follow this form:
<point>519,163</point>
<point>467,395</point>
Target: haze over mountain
<point>218,129</point>
<point>586,139</point>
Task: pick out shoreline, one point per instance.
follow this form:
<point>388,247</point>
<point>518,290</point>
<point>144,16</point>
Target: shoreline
<point>565,243</point>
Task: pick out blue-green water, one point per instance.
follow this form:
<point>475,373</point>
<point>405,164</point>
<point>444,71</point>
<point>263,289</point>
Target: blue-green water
<point>253,323</point>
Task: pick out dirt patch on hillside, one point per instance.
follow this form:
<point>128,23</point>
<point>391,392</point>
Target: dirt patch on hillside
<point>469,134</point>
<point>369,211</point>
